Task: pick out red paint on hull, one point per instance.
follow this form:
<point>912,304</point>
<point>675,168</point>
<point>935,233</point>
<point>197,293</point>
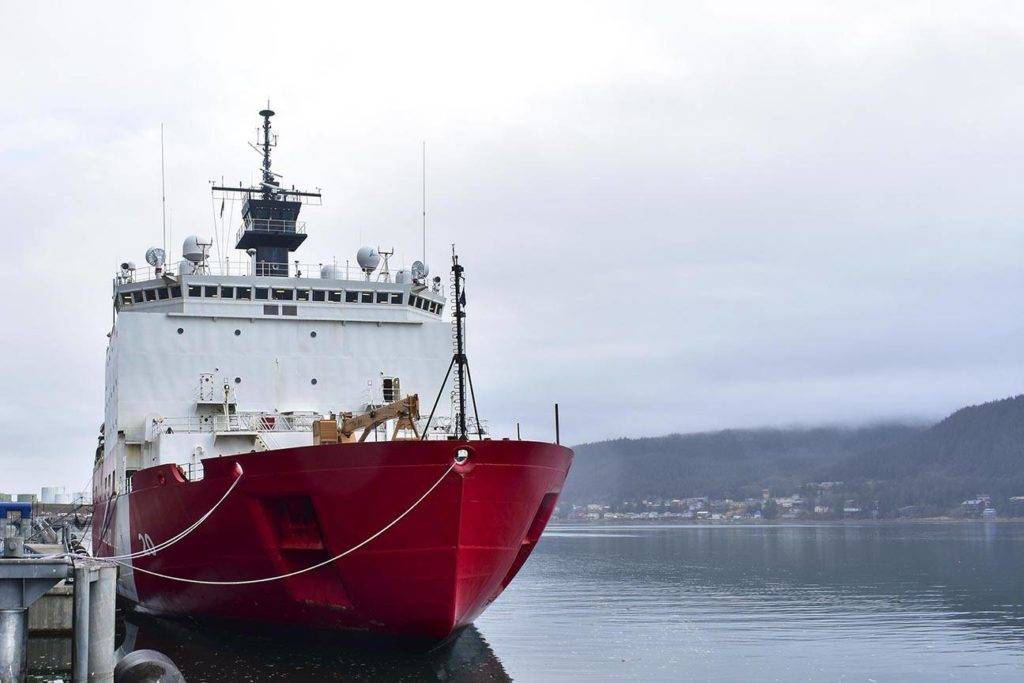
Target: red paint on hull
<point>432,573</point>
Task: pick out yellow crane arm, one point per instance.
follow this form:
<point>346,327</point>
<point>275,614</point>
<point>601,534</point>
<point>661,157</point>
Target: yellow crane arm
<point>406,411</point>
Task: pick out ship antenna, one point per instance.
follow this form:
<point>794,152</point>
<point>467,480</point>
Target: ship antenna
<point>163,189</point>
<point>268,142</point>
<point>424,201</point>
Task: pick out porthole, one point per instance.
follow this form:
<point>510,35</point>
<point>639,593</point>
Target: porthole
<point>313,334</point>
<point>313,381</point>
<point>238,332</point>
<point>181,330</point>
<point>238,380</point>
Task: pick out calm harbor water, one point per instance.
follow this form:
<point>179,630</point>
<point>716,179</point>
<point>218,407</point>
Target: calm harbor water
<point>822,602</point>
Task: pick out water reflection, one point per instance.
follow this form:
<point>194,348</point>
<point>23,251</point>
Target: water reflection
<point>786,602</point>
<point>212,651</point>
<point>826,602</point>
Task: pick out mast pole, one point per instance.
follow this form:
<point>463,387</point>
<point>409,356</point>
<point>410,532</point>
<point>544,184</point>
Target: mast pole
<point>424,201</point>
<point>163,190</point>
<point>460,350</point>
<point>268,177</point>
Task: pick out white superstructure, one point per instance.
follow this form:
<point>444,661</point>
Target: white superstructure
<point>212,358</point>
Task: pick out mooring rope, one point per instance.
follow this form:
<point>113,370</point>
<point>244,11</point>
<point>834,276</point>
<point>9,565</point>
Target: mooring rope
<point>268,579</point>
<point>181,535</point>
<point>163,544</point>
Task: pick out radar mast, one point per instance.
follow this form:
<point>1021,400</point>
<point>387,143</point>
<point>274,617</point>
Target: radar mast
<point>270,213</point>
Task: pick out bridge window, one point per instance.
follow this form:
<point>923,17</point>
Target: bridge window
<point>210,291</point>
<point>396,297</point>
<point>302,295</point>
<point>334,296</point>
<point>176,292</point>
<point>195,290</point>
<point>382,297</point>
<point>126,299</point>
<point>162,293</point>
<point>319,295</point>
<point>366,297</point>
<point>137,297</point>
<point>243,293</point>
<point>351,297</point>
<point>227,292</point>
<point>284,294</point>
<point>262,292</point>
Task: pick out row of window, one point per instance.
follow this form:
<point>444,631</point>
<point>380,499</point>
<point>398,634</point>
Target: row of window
<point>425,304</point>
<point>279,294</point>
<point>158,294</point>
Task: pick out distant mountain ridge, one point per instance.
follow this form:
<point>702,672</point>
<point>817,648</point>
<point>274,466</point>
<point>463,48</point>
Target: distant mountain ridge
<point>976,449</point>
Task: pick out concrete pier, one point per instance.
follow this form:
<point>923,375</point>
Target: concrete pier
<point>22,582</point>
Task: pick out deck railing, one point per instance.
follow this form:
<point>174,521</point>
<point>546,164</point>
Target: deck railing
<point>243,267</point>
<point>238,422</point>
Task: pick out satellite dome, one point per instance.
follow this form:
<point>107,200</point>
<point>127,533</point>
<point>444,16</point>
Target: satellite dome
<point>194,249</point>
<point>401,276</point>
<point>330,272</point>
<point>368,259</point>
<point>186,267</point>
<point>419,270</point>
<point>155,256</point>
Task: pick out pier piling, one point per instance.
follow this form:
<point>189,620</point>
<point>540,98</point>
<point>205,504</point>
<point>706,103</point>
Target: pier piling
<point>101,625</point>
<point>23,580</point>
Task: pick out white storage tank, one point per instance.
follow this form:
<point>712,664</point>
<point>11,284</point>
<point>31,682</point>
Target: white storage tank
<point>49,493</point>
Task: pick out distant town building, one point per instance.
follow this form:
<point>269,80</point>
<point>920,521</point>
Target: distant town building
<point>27,498</point>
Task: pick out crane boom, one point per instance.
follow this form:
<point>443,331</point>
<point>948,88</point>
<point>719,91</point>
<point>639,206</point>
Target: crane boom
<point>406,411</point>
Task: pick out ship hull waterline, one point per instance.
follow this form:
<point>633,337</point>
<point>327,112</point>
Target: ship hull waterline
<point>430,574</point>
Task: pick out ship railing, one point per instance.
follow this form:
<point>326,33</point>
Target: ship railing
<point>193,471</point>
<point>246,267</point>
<point>239,422</point>
<point>272,226</point>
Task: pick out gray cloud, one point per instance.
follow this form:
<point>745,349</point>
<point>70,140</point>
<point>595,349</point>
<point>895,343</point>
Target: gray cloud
<point>675,217</point>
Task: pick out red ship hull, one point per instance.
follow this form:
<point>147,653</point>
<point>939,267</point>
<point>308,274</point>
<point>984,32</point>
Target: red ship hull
<point>428,575</point>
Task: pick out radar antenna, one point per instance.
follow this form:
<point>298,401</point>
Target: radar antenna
<point>269,141</point>
<point>270,212</point>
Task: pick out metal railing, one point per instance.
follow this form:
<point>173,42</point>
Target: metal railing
<point>238,422</point>
<point>275,226</point>
<point>244,267</point>
<point>193,471</point>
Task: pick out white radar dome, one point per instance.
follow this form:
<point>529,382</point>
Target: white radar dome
<point>401,276</point>
<point>419,270</point>
<point>368,259</point>
<point>194,249</point>
<point>330,272</point>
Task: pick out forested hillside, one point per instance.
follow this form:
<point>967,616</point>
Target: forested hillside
<point>733,463</point>
<point>979,449</point>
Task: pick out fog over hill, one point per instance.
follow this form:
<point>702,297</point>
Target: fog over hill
<point>976,449</point>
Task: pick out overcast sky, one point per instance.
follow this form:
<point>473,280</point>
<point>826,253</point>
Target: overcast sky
<point>675,217</point>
